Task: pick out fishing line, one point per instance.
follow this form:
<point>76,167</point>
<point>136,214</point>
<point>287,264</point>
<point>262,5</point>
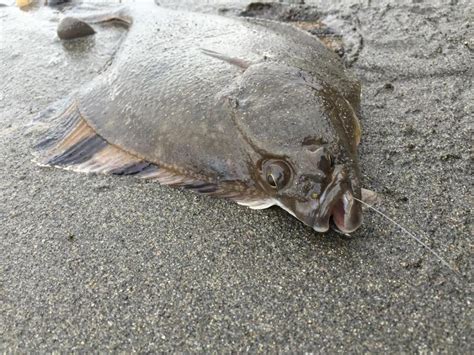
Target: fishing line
<point>412,235</point>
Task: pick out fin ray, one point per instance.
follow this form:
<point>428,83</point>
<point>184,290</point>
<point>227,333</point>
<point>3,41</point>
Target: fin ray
<point>72,144</point>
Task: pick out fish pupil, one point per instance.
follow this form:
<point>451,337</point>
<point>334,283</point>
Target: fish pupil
<point>277,174</point>
<point>271,181</point>
<point>276,179</point>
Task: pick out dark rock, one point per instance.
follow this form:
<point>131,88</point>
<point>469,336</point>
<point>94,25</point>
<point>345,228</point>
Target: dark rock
<point>388,86</point>
<point>257,9</point>
<point>71,27</point>
<point>56,2</point>
<point>450,156</point>
<point>281,12</point>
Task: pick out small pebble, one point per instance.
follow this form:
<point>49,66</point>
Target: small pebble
<point>71,27</point>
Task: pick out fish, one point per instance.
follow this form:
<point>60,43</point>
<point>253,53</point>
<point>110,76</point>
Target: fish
<point>252,110</point>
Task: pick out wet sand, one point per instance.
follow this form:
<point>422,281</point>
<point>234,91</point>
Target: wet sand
<point>107,263</point>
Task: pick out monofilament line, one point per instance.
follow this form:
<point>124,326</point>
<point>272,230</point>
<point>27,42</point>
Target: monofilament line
<point>444,262</point>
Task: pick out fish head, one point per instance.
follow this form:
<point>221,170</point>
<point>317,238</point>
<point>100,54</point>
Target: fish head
<point>314,189</point>
<point>305,133</point>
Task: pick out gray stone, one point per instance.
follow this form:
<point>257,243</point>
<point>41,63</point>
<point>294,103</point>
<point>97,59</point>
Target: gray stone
<point>71,28</point>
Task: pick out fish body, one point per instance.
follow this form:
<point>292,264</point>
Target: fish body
<point>253,110</point>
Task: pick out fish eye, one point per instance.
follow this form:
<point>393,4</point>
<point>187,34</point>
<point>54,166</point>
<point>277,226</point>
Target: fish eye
<point>277,173</point>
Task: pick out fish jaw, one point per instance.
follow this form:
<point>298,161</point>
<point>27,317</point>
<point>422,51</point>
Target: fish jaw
<point>346,213</point>
<point>336,203</point>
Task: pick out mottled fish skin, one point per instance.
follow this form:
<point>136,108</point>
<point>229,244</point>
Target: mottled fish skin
<point>226,101</point>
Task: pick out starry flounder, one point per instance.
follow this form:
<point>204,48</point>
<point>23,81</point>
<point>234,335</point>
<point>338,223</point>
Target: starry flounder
<point>252,110</point>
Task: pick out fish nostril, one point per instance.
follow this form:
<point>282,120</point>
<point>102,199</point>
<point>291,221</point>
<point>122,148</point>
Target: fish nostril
<point>313,143</point>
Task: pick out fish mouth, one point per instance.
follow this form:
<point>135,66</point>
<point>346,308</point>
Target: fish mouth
<point>346,214</point>
<point>343,211</point>
<point>337,204</point>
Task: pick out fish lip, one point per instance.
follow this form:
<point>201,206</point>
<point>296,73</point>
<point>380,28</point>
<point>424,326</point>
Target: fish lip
<point>320,220</point>
<point>341,213</point>
<point>346,213</point>
<point>321,228</point>
<point>337,204</point>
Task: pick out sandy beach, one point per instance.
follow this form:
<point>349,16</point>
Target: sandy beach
<point>101,263</point>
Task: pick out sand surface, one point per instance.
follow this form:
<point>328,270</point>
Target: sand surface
<point>108,263</point>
